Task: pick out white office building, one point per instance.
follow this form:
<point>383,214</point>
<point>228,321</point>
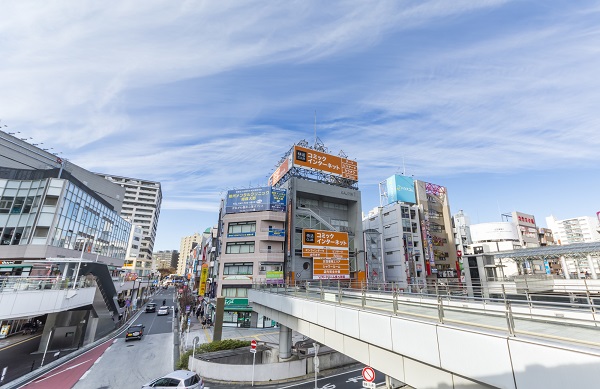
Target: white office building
<point>141,206</point>
<point>582,229</point>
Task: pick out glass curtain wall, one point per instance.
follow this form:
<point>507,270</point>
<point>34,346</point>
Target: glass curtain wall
<point>83,222</point>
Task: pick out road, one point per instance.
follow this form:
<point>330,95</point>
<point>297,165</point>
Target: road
<point>345,378</point>
<point>20,358</point>
<point>135,362</point>
<point>120,364</point>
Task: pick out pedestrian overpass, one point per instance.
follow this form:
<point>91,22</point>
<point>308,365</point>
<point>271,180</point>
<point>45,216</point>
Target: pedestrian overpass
<point>430,341</point>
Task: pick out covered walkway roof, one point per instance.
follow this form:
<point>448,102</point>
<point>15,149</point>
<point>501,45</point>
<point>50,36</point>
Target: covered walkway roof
<point>570,250</point>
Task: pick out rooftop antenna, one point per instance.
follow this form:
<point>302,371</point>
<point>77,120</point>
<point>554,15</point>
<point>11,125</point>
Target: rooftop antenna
<point>315,127</point>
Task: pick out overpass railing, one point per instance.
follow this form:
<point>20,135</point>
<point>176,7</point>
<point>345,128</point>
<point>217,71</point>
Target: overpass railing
<point>17,283</point>
<point>568,315</point>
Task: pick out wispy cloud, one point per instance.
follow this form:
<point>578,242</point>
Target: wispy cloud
<point>205,96</point>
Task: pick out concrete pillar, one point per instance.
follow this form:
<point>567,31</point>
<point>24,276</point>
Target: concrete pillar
<point>285,342</point>
<point>48,327</point>
<point>565,268</point>
<point>592,267</point>
<point>65,271</point>
<point>90,330</point>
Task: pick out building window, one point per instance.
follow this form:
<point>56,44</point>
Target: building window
<point>237,268</point>
<point>406,225</point>
<point>405,213</point>
<point>241,227</point>
<point>342,207</point>
<point>239,247</point>
<point>234,292</point>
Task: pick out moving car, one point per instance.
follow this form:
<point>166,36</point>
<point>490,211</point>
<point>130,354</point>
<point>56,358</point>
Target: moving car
<point>177,379</point>
<point>135,331</point>
<point>162,311</point>
<point>150,307</point>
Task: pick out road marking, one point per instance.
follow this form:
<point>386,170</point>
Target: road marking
<point>21,342</point>
<point>307,382</point>
<point>62,371</point>
<point>84,375</point>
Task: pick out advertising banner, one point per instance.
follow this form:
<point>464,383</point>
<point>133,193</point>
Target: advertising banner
<point>400,188</point>
<point>329,250</point>
<point>203,278</point>
<point>255,200</point>
<point>332,164</point>
<point>274,277</point>
<point>277,232</point>
<point>280,172</point>
<point>331,269</point>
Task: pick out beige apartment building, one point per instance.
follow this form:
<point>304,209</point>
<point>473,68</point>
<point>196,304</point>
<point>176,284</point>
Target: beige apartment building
<point>185,248</point>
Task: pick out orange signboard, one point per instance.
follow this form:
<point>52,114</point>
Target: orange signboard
<point>324,253</point>
<point>329,250</point>
<point>280,172</point>
<point>331,268</point>
<point>319,160</point>
<point>324,239</point>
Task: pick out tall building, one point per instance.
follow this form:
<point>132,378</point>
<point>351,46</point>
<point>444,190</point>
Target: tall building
<point>582,229</point>
<point>396,228</point>
<point>438,237</point>
<point>252,242</point>
<point>49,209</point>
<point>141,205</point>
<point>527,229</point>
<point>324,239</point>
<point>166,259</point>
<point>185,252</point>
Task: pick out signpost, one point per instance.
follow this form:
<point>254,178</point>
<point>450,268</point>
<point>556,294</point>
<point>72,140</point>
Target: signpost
<point>316,361</point>
<point>369,376</point>
<point>253,351</point>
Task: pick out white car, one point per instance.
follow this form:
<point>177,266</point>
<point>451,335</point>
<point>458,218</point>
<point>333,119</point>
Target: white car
<point>182,379</point>
<point>162,311</point>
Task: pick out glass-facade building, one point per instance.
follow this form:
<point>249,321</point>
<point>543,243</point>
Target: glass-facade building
<point>61,213</point>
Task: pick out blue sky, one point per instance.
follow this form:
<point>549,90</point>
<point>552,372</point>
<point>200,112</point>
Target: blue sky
<point>496,100</point>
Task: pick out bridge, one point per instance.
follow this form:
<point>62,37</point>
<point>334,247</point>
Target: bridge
<point>429,340</point>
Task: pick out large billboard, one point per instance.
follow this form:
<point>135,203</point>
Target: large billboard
<point>332,164</point>
<point>255,199</point>
<point>400,188</point>
<point>329,250</point>
<point>280,171</point>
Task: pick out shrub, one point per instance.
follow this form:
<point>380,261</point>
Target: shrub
<point>227,344</point>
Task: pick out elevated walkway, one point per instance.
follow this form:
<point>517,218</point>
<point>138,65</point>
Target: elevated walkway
<point>34,296</point>
<point>432,342</point>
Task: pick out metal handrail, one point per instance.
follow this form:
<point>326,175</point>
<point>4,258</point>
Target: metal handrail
<point>443,307</point>
<point>17,283</point>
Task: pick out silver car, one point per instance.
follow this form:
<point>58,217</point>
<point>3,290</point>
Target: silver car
<point>177,379</point>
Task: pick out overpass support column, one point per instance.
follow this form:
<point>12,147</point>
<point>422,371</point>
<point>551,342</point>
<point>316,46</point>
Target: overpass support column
<point>565,268</point>
<point>285,342</point>
<point>592,267</point>
<point>48,331</point>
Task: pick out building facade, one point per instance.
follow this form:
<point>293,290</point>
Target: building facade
<point>437,230</point>
<point>184,261</point>
<point>132,262</point>
<point>141,205</point>
<point>582,229</point>
<point>399,236</point>
<point>252,249</point>
<point>165,259</point>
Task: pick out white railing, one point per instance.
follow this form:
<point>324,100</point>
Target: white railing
<point>568,315</point>
<point>16,283</point>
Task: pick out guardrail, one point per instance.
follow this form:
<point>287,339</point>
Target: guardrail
<point>16,283</point>
<point>569,316</point>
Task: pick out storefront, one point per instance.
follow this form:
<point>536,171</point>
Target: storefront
<point>237,312</point>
